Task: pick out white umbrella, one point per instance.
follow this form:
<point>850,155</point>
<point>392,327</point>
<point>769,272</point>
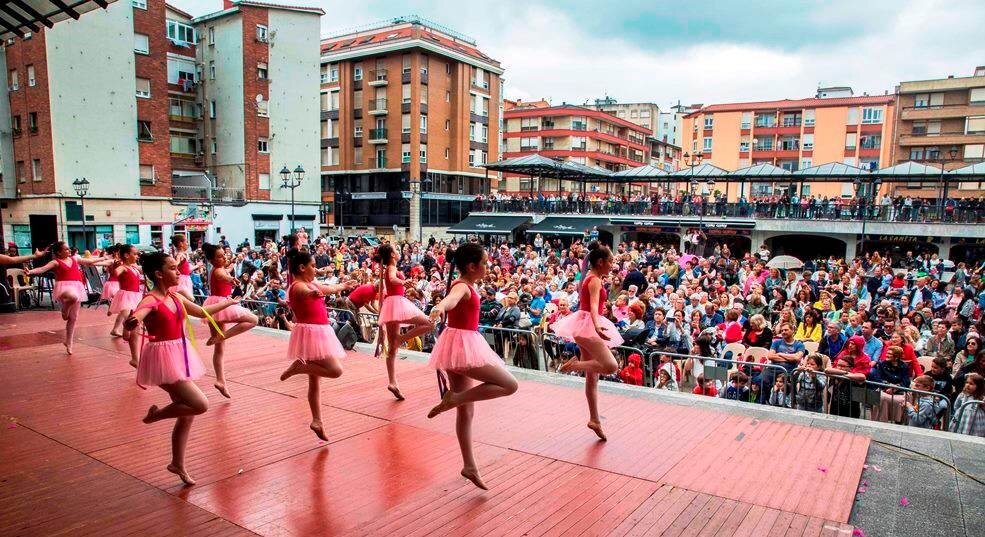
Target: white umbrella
<point>785,262</point>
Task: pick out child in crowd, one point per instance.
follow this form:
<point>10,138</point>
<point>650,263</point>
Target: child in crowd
<point>737,389</point>
<point>705,387</point>
<point>810,385</point>
<point>780,394</point>
<point>666,381</point>
<point>632,373</point>
<point>927,410</point>
<point>943,382</point>
<point>756,393</point>
<point>971,418</point>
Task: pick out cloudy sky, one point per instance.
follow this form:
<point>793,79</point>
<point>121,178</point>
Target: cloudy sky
<point>696,52</point>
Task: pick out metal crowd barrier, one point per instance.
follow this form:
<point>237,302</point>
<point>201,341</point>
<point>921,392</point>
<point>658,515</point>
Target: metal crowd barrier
<point>961,409</point>
<point>519,347</point>
<point>719,370</point>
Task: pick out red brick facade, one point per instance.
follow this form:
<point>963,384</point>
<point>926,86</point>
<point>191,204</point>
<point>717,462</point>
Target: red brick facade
<point>31,144</point>
<point>254,53</point>
<point>154,67</point>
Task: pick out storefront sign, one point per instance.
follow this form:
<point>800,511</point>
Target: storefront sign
<point>368,195</point>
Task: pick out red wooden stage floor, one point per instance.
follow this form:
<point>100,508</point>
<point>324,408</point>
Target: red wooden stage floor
<point>76,459</point>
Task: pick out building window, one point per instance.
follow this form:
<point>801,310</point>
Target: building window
<point>181,72</point>
<point>212,70</point>
<point>324,74</point>
<point>380,158</point>
<point>333,97</point>
<point>36,170</point>
<point>872,115</point>
<point>423,152</point>
<point>333,72</point>
<point>263,108</point>
<point>405,153</point>
<point>579,124</point>
<point>975,125</point>
<point>808,118</point>
<point>15,124</point>
<point>143,131</point>
<point>423,95</point>
<point>709,122</point>
<point>141,43</point>
<point>215,147</point>
<point>447,96</point>
<point>262,145</point>
<point>808,142</point>
<point>424,124</point>
<point>405,94</point>
<point>485,134</point>
<point>19,171</point>
<point>264,181</point>
<point>405,124</point>
<point>212,35</point>
<point>916,153</point>
<point>805,163</point>
<point>447,153</point>
<point>357,130</point>
<point>405,63</point>
<point>30,76</point>
<point>183,145</point>
<point>472,158</point>
<point>261,33</point>
<point>357,73</point>
<point>146,174</point>
<point>447,124</point>
<point>262,71</point>
<point>706,144</point>
<point>14,80</point>
<point>870,141</point>
<point>180,33</point>
<point>32,121</point>
<point>212,109</point>
<point>143,88</point>
<point>139,4</point>
<point>850,141</point>
<point>357,156</point>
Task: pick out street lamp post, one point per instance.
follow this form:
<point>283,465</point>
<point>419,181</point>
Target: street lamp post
<point>953,153</point>
<point>81,189</point>
<point>292,181</point>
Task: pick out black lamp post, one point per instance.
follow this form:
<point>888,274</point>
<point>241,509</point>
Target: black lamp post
<point>81,189</point>
<point>953,153</point>
<point>292,181</point>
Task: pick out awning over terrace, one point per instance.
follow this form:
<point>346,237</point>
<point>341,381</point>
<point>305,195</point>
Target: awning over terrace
<point>560,225</point>
<point>486,224</point>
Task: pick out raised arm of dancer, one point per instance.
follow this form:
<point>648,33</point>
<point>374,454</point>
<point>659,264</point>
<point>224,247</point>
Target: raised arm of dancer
<point>223,274</point>
<point>16,260</point>
<point>594,292</point>
<point>100,261</point>
<point>195,310</point>
<point>456,295</point>
<point>50,265</point>
<point>321,289</point>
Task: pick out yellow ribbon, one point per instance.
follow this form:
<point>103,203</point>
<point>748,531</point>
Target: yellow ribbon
<point>188,324</point>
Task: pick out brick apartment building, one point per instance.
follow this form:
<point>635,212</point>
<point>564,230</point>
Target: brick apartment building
<point>178,123</point>
<point>410,111</point>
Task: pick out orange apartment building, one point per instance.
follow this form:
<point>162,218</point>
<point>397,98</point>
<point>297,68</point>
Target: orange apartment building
<point>578,134</point>
<point>410,113</point>
<point>835,126</point>
<point>941,121</point>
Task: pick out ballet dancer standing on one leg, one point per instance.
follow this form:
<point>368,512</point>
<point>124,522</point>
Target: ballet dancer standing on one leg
<point>125,300</point>
<point>594,334</point>
<point>179,251</point>
<point>168,359</point>
<point>463,354</point>
<point>69,288</point>
<point>112,283</point>
<point>314,349</point>
<point>396,311</point>
<point>220,288</point>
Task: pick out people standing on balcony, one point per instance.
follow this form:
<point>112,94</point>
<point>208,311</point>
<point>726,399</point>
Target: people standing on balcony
<point>168,359</point>
<point>594,334</point>
<point>241,319</point>
<point>463,356</point>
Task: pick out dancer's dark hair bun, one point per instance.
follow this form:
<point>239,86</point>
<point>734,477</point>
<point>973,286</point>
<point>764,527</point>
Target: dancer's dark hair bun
<point>594,245</point>
<point>209,250</point>
<point>178,239</point>
<point>385,254</point>
<point>467,254</point>
<point>151,263</point>
<point>598,253</point>
<point>296,259</point>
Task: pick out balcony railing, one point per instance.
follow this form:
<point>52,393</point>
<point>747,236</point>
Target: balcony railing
<point>377,105</point>
<point>377,134</point>
<point>377,75</point>
<point>218,195</point>
<point>846,209</point>
<point>526,128</point>
<point>870,145</point>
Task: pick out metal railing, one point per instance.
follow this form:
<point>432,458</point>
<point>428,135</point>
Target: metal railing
<point>961,410</point>
<point>965,211</point>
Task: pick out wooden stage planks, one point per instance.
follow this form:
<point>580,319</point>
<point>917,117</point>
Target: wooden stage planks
<point>77,460</point>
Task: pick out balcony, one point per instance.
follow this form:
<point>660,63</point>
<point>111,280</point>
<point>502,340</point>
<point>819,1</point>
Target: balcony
<point>943,111</point>
<point>529,148</point>
<point>377,107</point>
<point>377,136</point>
<point>424,77</point>
<point>480,84</point>
<point>209,194</point>
<point>377,77</point>
<point>578,126</point>
<point>942,138</point>
<point>405,76</point>
<point>529,128</point>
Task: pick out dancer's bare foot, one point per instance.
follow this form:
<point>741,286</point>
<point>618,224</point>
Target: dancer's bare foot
<point>566,366</point>
<point>181,473</point>
<point>149,418</point>
<point>317,428</point>
<point>115,334</point>
<point>291,370</point>
<point>597,427</point>
<point>133,363</point>
<point>68,348</point>
<point>222,389</point>
<point>213,339</point>
<point>472,474</point>
<point>396,392</point>
<point>445,405</point>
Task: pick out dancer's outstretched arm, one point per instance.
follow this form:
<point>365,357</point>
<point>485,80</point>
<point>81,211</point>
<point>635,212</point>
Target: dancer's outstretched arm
<point>195,310</point>
<point>456,294</point>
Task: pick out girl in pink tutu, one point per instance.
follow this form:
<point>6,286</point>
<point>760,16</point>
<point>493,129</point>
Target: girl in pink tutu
<point>314,349</point>
<point>112,283</point>
<point>179,251</point>
<point>125,299</point>
<point>69,288</point>
<point>168,359</point>
<point>241,319</point>
<point>594,334</point>
<point>395,312</point>
<point>463,354</point>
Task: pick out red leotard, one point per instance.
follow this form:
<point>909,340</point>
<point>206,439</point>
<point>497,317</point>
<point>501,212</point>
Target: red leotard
<point>395,289</point>
<point>112,272</point>
<point>65,272</point>
<point>307,309</point>
<point>583,300</point>
<point>465,314</point>
<point>162,324</point>
<point>185,268</point>
<point>218,286</point>
<point>129,280</point>
<point>362,295</point>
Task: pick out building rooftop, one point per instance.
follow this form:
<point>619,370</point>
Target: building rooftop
<point>796,103</point>
<point>251,3</point>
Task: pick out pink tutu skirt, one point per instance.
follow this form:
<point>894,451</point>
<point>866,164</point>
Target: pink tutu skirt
<point>163,362</point>
<point>458,349</point>
<point>579,325</point>
<point>231,314</point>
<point>314,342</point>
<point>184,284</point>
<point>125,300</point>
<point>71,288</point>
<point>397,308</point>
<point>109,290</point>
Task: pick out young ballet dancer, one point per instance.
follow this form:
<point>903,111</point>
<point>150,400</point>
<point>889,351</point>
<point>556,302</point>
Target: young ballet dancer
<point>179,251</point>
<point>396,311</point>
<point>313,348</point>
<point>168,358</point>
<point>464,356</point>
<point>126,298</point>
<point>594,334</point>
<point>69,288</point>
<point>112,283</point>
<point>220,288</point>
